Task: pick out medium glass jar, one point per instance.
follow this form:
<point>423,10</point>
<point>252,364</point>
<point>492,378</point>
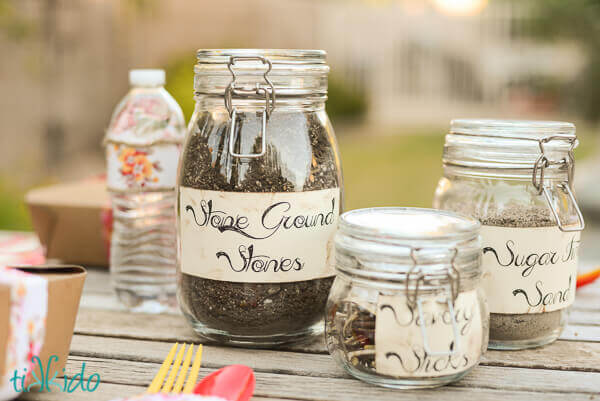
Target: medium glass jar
<point>259,195</point>
<point>406,309</point>
<point>516,177</point>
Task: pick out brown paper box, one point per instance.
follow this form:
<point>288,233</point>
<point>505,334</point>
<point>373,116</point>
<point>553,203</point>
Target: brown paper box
<point>65,284</point>
<point>68,220</point>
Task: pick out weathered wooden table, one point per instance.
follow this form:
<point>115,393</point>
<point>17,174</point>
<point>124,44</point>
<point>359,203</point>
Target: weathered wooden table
<point>127,350</point>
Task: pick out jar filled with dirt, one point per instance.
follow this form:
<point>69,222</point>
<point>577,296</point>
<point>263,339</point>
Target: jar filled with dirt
<point>259,195</point>
<point>516,177</point>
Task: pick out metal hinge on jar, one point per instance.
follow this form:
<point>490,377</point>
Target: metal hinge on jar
<point>264,90</point>
<point>538,169</point>
<point>413,300</point>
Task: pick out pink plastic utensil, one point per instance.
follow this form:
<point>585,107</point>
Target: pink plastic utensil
<point>233,383</point>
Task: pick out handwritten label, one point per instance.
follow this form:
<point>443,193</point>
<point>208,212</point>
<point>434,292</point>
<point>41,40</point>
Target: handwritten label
<point>258,237</point>
<point>399,344</point>
<point>529,270</point>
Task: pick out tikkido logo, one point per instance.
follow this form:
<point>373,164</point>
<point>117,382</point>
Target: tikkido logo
<point>45,383</point>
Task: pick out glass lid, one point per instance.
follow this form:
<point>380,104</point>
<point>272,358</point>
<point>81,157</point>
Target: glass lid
<point>390,242</point>
<point>508,144</point>
<point>288,72</point>
<point>415,225</point>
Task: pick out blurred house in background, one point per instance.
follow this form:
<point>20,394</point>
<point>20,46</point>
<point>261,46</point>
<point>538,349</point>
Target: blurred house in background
<point>415,62</point>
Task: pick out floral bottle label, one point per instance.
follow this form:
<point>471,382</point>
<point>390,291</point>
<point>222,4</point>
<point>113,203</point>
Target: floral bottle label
<point>131,168</point>
<point>529,270</point>
<point>400,349</point>
<point>146,119</point>
<point>258,237</point>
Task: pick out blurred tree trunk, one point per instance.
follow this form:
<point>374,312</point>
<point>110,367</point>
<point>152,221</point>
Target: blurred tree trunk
<point>52,84</point>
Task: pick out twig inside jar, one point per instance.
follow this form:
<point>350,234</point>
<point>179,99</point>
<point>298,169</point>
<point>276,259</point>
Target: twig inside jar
<point>358,334</point>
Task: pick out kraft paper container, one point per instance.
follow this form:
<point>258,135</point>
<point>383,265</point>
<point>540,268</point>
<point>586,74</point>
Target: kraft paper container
<point>73,221</point>
<point>63,286</point>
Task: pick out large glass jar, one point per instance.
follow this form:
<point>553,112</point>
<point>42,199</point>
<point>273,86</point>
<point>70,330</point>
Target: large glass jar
<point>406,309</point>
<point>516,177</point>
<point>259,194</point>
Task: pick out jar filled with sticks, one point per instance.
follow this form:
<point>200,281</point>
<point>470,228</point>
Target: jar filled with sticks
<point>406,309</point>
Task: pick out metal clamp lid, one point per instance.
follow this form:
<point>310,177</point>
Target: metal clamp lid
<point>541,164</point>
<point>413,299</point>
<point>267,91</point>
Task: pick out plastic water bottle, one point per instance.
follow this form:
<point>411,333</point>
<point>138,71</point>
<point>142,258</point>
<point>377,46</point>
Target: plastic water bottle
<point>143,144</point>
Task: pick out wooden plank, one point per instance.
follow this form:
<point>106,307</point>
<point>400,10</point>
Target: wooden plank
<point>97,281</point>
<point>562,355</point>
<point>160,327</point>
<point>507,383</point>
<point>212,357</point>
<point>105,392</point>
<point>588,296</point>
<point>174,328</point>
<point>101,301</point>
<point>585,317</point>
<point>581,333</point>
<point>99,295</point>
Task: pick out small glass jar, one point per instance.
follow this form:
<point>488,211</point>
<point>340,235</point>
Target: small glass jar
<point>406,309</point>
<point>259,195</point>
<point>516,177</point>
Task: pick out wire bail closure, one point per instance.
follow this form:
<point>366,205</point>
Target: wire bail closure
<point>539,167</point>
<point>261,91</point>
<point>413,299</point>
<point>541,164</point>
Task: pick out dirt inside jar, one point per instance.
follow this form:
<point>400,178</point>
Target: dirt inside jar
<point>518,326</point>
<point>255,309</point>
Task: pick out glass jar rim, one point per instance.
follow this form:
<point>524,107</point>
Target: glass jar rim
<point>527,129</point>
<point>382,223</point>
<point>374,244</point>
<point>276,56</point>
<point>509,144</point>
<point>284,73</point>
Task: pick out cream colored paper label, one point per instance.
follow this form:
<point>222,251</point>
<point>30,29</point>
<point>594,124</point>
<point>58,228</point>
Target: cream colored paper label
<point>258,237</point>
<point>529,270</point>
<point>399,342</point>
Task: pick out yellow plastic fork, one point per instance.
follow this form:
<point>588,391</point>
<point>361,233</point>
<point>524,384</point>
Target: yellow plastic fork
<point>168,386</point>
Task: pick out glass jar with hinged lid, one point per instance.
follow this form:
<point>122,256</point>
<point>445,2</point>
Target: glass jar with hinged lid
<point>406,309</point>
<point>260,191</point>
<point>516,177</point>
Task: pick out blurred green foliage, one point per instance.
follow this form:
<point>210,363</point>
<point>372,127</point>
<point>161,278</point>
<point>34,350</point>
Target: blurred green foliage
<point>13,212</point>
<point>180,82</point>
<point>391,170</point>
<point>14,24</point>
<point>578,20</point>
<point>344,102</point>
